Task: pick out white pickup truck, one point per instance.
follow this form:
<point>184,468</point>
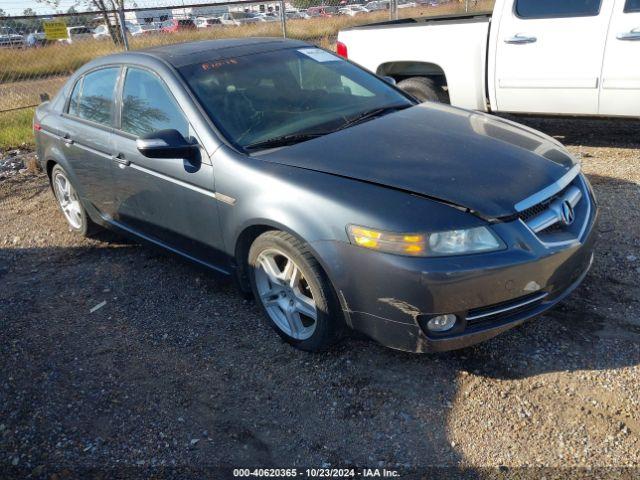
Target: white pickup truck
<point>567,57</point>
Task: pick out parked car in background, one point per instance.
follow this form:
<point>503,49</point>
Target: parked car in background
<point>10,38</point>
<point>296,14</point>
<point>207,22</point>
<point>239,18</point>
<point>334,197</point>
<point>565,57</point>
<point>322,11</point>
<point>267,17</point>
<point>101,32</point>
<point>352,10</point>
<point>377,5</point>
<point>76,34</point>
<point>176,25</point>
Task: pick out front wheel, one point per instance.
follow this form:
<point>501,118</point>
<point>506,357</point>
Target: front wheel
<point>293,292</point>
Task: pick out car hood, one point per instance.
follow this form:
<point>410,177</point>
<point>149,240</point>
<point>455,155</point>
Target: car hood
<point>465,158</point>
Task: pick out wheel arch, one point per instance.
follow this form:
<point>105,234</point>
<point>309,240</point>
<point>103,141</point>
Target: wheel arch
<point>247,236</point>
<point>49,164</point>
<point>406,69</point>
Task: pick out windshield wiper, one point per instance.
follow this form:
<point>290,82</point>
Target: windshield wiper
<point>370,114</point>
<point>293,138</point>
<point>283,140</point>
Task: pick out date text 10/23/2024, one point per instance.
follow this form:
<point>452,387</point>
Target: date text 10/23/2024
<point>317,472</point>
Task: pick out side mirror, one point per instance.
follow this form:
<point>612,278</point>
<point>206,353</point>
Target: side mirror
<point>166,144</point>
<point>389,80</point>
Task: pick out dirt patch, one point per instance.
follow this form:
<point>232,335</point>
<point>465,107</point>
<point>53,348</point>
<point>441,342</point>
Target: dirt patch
<point>176,368</point>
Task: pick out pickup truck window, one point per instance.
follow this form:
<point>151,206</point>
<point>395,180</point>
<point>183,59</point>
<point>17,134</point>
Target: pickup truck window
<point>632,6</point>
<point>529,9</point>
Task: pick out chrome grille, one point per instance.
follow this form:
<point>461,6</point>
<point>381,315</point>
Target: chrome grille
<point>562,216</point>
<point>560,210</point>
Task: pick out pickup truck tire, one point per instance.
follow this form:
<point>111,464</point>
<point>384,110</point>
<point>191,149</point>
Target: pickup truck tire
<point>422,88</point>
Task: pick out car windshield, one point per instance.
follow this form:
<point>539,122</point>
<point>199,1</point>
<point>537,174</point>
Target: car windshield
<point>289,93</point>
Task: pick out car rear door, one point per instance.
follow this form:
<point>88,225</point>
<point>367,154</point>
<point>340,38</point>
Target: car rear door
<point>620,91</point>
<point>170,201</point>
<point>85,129</point>
<point>549,55</point>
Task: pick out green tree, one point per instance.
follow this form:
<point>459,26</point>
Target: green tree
<point>29,24</point>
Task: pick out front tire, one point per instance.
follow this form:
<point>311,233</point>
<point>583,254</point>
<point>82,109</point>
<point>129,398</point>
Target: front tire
<point>293,292</point>
<point>70,204</point>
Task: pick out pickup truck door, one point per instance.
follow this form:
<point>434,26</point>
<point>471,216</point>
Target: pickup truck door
<point>620,93</point>
<point>549,55</point>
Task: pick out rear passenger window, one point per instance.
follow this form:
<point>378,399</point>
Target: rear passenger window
<point>147,106</point>
<point>557,8</point>
<point>632,6</point>
<point>93,97</point>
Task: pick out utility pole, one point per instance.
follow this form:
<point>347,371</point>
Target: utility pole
<point>123,28</point>
<point>393,9</point>
<point>283,19</point>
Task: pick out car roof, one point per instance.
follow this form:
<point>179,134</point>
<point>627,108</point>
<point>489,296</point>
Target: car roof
<point>189,53</point>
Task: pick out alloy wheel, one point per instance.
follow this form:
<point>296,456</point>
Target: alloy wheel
<point>285,294</point>
<point>68,200</point>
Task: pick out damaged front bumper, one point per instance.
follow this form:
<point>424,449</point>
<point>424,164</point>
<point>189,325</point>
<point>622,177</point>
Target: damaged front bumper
<point>390,298</point>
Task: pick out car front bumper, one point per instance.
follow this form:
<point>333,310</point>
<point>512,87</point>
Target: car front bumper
<point>390,298</point>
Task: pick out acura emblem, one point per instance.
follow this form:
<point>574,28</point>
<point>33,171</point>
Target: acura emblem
<point>567,213</point>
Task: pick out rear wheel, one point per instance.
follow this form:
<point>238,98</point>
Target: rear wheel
<point>423,88</point>
<point>69,203</point>
<point>293,292</point>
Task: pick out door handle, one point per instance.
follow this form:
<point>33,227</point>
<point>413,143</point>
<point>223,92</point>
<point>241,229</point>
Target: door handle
<point>119,158</point>
<point>633,35</point>
<point>67,139</point>
<point>520,39</point>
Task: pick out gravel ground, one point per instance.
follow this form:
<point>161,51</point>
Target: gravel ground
<point>176,368</point>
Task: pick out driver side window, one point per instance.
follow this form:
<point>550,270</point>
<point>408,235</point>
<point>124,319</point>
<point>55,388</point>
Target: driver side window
<point>147,105</point>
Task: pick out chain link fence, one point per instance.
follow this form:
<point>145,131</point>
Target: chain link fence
<point>31,65</point>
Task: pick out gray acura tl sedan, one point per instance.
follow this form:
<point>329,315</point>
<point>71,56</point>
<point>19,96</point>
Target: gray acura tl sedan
<point>332,196</point>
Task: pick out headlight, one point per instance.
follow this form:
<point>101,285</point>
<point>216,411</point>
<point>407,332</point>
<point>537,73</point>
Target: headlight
<point>453,242</point>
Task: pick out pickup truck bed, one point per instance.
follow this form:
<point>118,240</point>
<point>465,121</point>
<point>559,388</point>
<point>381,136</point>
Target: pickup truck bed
<point>459,48</point>
<point>449,19</point>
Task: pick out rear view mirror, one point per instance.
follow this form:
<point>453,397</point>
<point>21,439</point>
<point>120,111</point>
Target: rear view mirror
<point>166,144</point>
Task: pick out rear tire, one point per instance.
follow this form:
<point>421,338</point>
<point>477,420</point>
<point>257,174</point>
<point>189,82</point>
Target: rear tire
<point>293,292</point>
<point>424,89</point>
<point>70,205</point>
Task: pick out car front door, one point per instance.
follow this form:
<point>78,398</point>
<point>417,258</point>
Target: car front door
<point>86,134</point>
<point>170,201</point>
<point>620,91</point>
<point>549,55</point>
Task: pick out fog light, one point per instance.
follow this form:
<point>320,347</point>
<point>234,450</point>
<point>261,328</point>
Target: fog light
<point>441,323</point>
